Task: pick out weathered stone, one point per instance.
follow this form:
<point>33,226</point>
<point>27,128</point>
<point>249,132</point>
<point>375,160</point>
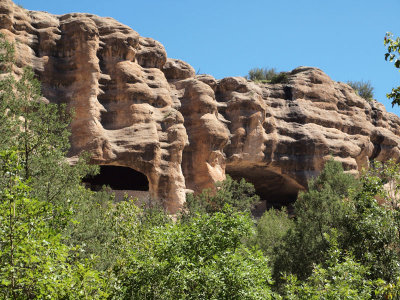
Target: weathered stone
<point>177,69</point>
<point>136,108</point>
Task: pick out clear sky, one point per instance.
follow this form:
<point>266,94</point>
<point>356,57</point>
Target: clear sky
<point>229,37</point>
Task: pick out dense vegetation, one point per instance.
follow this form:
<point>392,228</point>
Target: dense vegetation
<point>59,240</point>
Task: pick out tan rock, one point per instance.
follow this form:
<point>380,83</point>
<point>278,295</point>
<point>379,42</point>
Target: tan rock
<point>177,69</point>
<point>135,107</point>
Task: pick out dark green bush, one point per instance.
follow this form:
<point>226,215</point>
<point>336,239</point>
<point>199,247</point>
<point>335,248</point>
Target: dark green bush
<point>363,88</point>
<point>241,195</point>
<point>271,228</point>
<point>317,211</point>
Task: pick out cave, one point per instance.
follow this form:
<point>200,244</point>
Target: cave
<point>117,178</point>
<point>274,190</point>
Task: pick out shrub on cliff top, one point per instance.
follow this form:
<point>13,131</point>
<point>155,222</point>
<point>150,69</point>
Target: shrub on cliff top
<point>363,88</point>
<point>267,75</point>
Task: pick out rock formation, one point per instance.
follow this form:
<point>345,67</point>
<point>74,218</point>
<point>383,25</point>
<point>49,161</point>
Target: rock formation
<point>135,107</point>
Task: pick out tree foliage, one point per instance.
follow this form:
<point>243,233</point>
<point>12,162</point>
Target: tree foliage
<point>365,228</point>
<point>241,195</point>
<point>39,134</point>
<point>393,55</point>
<point>317,211</point>
<point>34,261</point>
<point>39,192</point>
<point>339,277</point>
<point>203,258</point>
<point>271,229</point>
<point>372,229</point>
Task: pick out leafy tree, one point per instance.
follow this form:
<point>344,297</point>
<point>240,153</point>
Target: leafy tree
<point>317,211</point>
<point>372,228</point>
<point>392,55</point>
<point>202,258</point>
<point>33,260</point>
<point>106,230</point>
<point>365,228</point>
<point>363,88</point>
<point>271,229</point>
<point>339,277</point>
<point>43,192</point>
<point>241,195</point>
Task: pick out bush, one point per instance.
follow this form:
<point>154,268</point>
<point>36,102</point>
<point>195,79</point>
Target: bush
<point>267,75</point>
<point>363,88</point>
<point>241,195</point>
<point>271,229</point>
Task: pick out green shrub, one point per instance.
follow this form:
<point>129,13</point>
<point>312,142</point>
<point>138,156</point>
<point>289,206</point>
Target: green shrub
<point>267,75</point>
<point>271,229</point>
<point>241,195</point>
<point>363,88</point>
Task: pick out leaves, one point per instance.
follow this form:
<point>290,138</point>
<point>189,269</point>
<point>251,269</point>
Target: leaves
<point>392,54</point>
<point>201,258</point>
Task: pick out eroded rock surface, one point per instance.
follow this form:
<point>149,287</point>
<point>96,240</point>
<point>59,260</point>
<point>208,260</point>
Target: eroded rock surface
<point>135,107</point>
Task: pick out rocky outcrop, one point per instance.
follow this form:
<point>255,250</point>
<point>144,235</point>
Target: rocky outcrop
<point>135,107</point>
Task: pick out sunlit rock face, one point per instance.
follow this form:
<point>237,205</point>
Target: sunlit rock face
<point>136,108</point>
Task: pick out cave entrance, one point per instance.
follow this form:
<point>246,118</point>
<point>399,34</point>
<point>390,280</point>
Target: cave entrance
<point>275,190</point>
<point>121,180</point>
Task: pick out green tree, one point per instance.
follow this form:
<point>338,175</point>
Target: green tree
<point>365,228</point>
<point>393,55</point>
<point>339,277</point>
<point>33,260</point>
<point>372,229</point>
<point>203,258</point>
<point>241,195</point>
<point>38,131</point>
<point>45,195</point>
<point>317,211</point>
<point>271,229</point>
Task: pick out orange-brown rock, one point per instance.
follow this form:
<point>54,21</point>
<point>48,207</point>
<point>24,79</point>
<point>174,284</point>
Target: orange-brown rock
<point>135,107</point>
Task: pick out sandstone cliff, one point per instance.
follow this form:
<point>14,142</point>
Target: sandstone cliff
<point>135,107</point>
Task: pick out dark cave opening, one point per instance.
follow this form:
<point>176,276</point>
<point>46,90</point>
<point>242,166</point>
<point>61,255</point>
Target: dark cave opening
<point>117,178</point>
<point>274,190</point>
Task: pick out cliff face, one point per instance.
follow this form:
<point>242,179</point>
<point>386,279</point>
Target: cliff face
<point>135,107</point>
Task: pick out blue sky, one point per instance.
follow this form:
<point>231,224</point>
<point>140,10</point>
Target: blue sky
<point>227,38</point>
